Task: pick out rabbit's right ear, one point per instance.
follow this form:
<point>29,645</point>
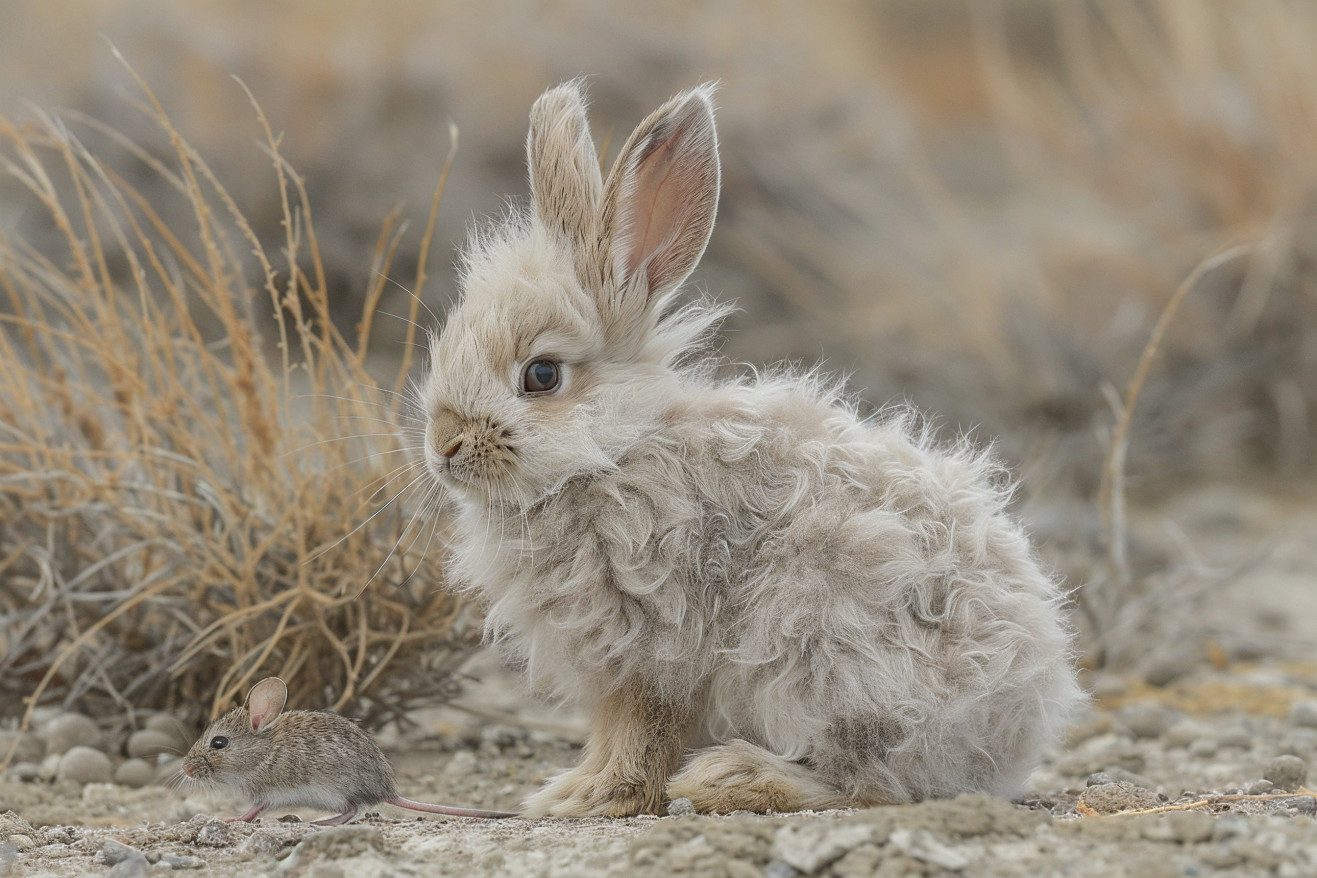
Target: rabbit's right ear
<point>266,701</point>
<point>565,180</point>
<point>657,210</point>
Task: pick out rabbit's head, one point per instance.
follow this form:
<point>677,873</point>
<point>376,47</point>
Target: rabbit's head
<point>565,335</point>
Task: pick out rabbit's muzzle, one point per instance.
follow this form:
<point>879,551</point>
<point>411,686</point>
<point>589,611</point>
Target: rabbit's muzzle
<point>467,452</point>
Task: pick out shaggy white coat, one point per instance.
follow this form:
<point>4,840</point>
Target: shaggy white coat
<point>846,606</point>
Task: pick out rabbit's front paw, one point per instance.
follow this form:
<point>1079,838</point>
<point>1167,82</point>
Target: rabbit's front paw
<point>584,793</point>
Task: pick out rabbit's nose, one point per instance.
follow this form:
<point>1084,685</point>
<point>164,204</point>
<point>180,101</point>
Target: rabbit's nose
<point>453,446</point>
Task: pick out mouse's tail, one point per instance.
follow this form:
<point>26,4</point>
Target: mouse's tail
<point>401,802</point>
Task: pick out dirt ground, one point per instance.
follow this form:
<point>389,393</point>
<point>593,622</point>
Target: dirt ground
<point>1203,774</point>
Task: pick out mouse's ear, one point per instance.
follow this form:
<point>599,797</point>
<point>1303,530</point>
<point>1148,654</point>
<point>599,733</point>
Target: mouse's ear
<point>265,701</point>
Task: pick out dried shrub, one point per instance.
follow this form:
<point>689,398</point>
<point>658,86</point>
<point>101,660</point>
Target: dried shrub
<point>188,501</point>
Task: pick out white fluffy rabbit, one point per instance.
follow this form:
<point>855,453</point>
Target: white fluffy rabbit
<point>765,601</point>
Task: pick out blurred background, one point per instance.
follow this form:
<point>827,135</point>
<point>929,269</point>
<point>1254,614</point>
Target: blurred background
<point>978,207</point>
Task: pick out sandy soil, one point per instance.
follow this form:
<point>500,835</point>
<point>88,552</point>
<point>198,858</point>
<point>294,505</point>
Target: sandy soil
<point>1203,775</point>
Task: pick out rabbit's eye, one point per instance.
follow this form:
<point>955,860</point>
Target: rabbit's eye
<point>219,742</point>
<point>541,376</point>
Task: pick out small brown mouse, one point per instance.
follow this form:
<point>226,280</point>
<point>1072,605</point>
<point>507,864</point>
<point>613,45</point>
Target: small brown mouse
<point>300,759</point>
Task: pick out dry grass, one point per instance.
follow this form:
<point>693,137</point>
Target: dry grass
<point>188,498</point>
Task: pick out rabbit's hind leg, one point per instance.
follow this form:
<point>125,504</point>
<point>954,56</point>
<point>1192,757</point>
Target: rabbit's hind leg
<point>739,776</point>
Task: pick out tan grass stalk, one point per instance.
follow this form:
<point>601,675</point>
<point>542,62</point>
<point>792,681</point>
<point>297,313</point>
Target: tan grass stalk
<point>181,500</point>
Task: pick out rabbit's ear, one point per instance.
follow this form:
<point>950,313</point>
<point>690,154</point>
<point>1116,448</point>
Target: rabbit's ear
<point>266,701</point>
<point>659,204</point>
<point>564,169</point>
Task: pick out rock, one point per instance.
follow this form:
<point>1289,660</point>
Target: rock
<point>811,846</point>
<point>1295,806</point>
<point>1121,775</point>
<point>57,835</point>
<point>779,869</point>
<point>135,773</point>
<point>681,808</point>
<point>69,730</point>
<point>1287,772</point>
<point>84,765</point>
<point>1259,788</point>
<point>22,842</point>
<point>182,861</point>
<point>260,845</point>
<point>26,746</point>
<point>8,856</point>
<point>922,845</point>
<point>25,771</point>
<point>1113,798</point>
<point>1098,779</point>
<point>463,762</point>
<point>1147,719</point>
<point>215,834</point>
<point>1169,667</point>
<point>12,824</point>
<point>114,852</point>
<point>1304,713</point>
<point>166,723</point>
<point>1183,732</point>
<point>1204,748</point>
<point>1236,737</point>
<point>1181,827</point>
<point>149,743</point>
<point>338,842</point>
<point>133,867</point>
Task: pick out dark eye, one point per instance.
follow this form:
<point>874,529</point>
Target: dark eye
<point>541,376</point>
<point>219,742</point>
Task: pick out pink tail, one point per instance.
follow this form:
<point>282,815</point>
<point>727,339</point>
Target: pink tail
<point>400,802</point>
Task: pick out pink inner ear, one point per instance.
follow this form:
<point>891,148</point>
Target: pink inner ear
<point>653,210</point>
<point>257,719</point>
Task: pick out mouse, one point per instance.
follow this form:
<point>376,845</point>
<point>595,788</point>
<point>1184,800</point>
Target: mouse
<point>300,759</point>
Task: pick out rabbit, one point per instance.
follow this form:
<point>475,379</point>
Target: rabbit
<point>763,600</point>
<point>298,759</point>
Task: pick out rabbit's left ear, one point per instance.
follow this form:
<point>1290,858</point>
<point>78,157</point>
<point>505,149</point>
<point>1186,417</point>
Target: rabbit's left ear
<point>565,181</point>
<point>658,206</point>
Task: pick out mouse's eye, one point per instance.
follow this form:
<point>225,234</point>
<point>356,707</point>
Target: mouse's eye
<point>219,742</point>
<point>541,376</point>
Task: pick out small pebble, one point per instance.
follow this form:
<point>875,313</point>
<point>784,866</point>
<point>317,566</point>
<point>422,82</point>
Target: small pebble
<point>166,723</point>
<point>1259,787</point>
<point>26,746</point>
<point>22,842</point>
<point>1166,669</point>
<point>1182,733</point>
<point>57,835</point>
<point>1182,827</point>
<point>1146,720</point>
<point>182,861</point>
<point>70,730</point>
<point>25,771</point>
<point>1295,806</point>
<point>84,765</point>
<point>133,867</point>
<point>1304,713</point>
<point>779,869</point>
<point>1112,798</point>
<point>1287,772</point>
<point>135,773</point>
<point>681,807</point>
<point>1237,736</point>
<point>1097,779</point>
<point>215,834</point>
<point>1204,748</point>
<point>149,743</point>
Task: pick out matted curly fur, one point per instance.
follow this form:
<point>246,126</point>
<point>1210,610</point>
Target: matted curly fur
<point>825,610</point>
